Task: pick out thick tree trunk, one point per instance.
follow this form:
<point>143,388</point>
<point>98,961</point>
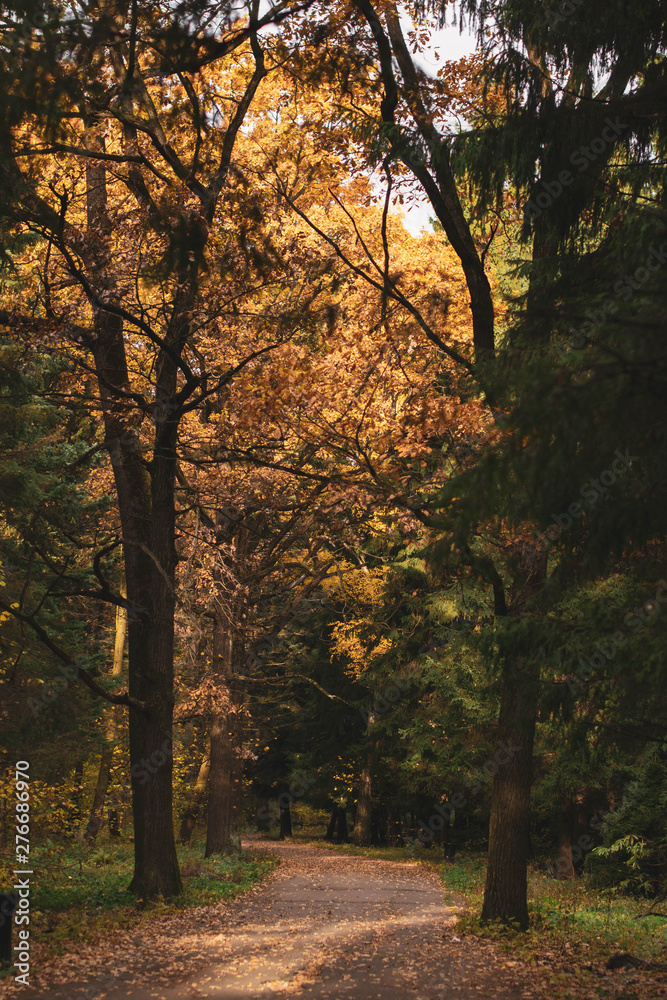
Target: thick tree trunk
<point>505,892</point>
<point>222,835</point>
<point>224,783</point>
<point>104,773</point>
<point>193,808</point>
<point>362,822</point>
<point>146,505</point>
<point>150,589</point>
<point>147,518</point>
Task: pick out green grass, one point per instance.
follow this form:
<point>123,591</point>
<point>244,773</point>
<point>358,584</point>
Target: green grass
<point>566,917</point>
<point>79,892</point>
<point>72,875</point>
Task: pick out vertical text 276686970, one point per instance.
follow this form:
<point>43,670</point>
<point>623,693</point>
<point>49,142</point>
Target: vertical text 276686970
<point>23,873</point>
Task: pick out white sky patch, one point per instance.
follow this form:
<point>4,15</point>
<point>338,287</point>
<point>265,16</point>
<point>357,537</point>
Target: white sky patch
<point>446,44</point>
<point>449,43</point>
<point>417,216</point>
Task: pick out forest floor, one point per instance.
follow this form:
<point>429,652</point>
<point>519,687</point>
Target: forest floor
<point>324,926</point>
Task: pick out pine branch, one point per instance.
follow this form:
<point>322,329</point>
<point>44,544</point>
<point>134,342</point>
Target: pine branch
<point>70,662</point>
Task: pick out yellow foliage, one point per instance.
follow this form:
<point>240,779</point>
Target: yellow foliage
<point>358,640</point>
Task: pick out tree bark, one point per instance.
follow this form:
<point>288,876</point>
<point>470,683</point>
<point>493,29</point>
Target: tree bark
<point>394,826</point>
<point>505,891</point>
<point>565,862</point>
<point>341,821</point>
<point>150,569</point>
<point>285,820</point>
<point>146,503</point>
<point>224,784</point>
<point>361,835</point>
<point>193,808</point>
<point>438,180</point>
<point>329,835</point>
<point>262,817</point>
<point>100,793</point>
<point>104,773</point>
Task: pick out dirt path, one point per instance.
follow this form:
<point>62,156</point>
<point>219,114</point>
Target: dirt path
<point>325,926</point>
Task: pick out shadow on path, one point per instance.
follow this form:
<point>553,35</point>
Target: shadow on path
<point>324,926</point>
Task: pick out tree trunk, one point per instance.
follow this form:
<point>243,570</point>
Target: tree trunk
<point>583,840</point>
<point>285,819</point>
<point>329,835</point>
<point>361,835</point>
<point>262,815</point>
<point>394,826</point>
<point>193,808</point>
<point>438,180</point>
<point>104,773</point>
<point>113,816</point>
<point>146,504</point>
<point>74,817</point>
<point>222,836</point>
<point>100,793</point>
<point>505,891</point>
<point>565,862</point>
<point>150,587</point>
<point>378,826</point>
<point>341,820</point>
<point>224,783</point>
